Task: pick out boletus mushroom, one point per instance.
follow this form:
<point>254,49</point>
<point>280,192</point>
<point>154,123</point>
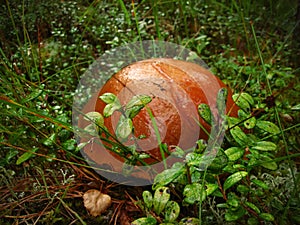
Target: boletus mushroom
<point>176,89</point>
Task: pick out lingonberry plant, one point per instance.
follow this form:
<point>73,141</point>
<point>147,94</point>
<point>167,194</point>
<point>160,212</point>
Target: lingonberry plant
<point>231,187</point>
<point>124,127</point>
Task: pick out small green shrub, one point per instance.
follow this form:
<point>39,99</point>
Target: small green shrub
<point>239,185</point>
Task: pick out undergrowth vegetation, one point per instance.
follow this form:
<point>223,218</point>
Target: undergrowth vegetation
<point>253,46</point>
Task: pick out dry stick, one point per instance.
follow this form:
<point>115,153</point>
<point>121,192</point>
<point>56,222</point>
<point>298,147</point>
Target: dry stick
<point>42,213</point>
<point>250,211</point>
<point>40,40</point>
<point>22,217</point>
<point>116,213</point>
<point>221,189</point>
<point>72,211</point>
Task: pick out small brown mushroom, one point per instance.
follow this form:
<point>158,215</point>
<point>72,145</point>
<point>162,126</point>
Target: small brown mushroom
<point>96,202</point>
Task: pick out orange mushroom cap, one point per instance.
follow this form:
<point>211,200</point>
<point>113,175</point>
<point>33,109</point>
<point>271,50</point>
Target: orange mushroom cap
<point>176,88</point>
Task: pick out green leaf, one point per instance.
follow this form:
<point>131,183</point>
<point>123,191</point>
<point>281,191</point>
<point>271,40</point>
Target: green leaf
<point>25,156</point>
<point>134,106</point>
<point>250,121</point>
<point>239,136</point>
<point>193,159</point>
<point>229,168</point>
<point>95,117</point>
<point>69,145</point>
<point>232,121</point>
<point>252,221</point>
<point>169,175</point>
<point>178,152</point>
<point>161,197</point>
<point>124,127</point>
<point>260,183</point>
<point>252,162</point>
<point>242,189</point>
<point>247,97</point>
<point>233,202</point>
<point>145,221</point>
<point>194,192</point>
<point>268,164</point>
<point>10,154</point>
<point>50,140</point>
<point>241,102</point>
<point>266,216</point>
<point>109,109</point>
<point>34,94</point>
<point>222,205</point>
<point>91,129</point>
<point>201,145</point>
<point>81,145</point>
<point>148,199</point>
<point>108,98</point>
<point>172,211</point>
<point>231,215</point>
<point>234,178</point>
<point>210,188</point>
<point>296,107</point>
<point>50,157</point>
<point>64,135</point>
<point>268,126</point>
<point>252,206</point>
<point>195,175</point>
<point>219,162</point>
<point>264,146</point>
<point>205,113</point>
<point>189,221</point>
<point>234,153</point>
<point>112,102</point>
<point>144,156</point>
<point>218,193</point>
<point>238,166</point>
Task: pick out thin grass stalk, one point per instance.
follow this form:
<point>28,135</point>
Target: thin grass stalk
<point>276,112</point>
<point>156,130</point>
<point>125,11</point>
<point>239,9</point>
<point>183,14</point>
<point>137,23</point>
<point>156,19</point>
